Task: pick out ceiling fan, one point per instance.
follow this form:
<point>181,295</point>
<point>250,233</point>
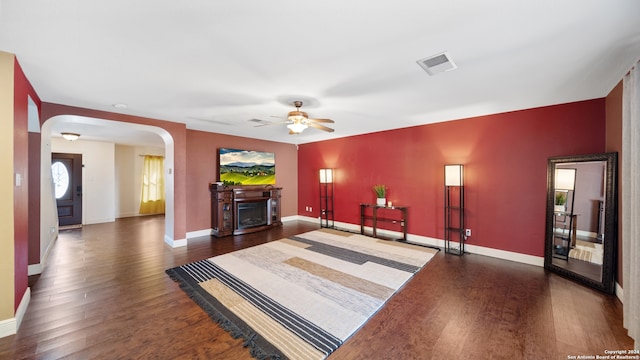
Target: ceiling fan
<point>299,120</point>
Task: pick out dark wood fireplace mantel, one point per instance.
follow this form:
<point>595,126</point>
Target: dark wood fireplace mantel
<point>242,209</point>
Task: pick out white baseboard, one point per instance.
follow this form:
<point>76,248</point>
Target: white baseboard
<point>175,243</point>
<point>99,221</point>
<point>197,233</point>
<point>126,215</point>
<point>22,308</point>
<point>619,292</point>
<point>34,269</point>
<point>505,255</point>
<point>292,218</point>
<point>10,326</point>
<point>306,218</point>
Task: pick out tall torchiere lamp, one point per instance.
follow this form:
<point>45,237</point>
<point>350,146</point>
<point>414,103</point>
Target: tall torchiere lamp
<point>454,232</point>
<point>326,198</point>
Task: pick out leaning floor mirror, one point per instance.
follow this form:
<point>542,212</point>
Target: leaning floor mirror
<point>581,231</point>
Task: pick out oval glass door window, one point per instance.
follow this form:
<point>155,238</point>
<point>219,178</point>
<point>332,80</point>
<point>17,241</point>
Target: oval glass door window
<point>60,179</point>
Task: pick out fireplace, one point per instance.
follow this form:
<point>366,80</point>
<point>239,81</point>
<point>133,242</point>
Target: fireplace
<point>251,214</point>
<point>244,209</point>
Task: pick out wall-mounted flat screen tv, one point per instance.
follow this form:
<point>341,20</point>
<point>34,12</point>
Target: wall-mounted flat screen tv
<point>247,167</point>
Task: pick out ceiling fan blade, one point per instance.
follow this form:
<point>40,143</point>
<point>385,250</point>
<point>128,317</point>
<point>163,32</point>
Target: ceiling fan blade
<point>322,120</point>
<point>261,122</point>
<point>321,127</point>
<point>283,120</point>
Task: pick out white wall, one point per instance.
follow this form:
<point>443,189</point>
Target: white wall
<point>129,161</point>
<point>48,209</point>
<point>125,181</point>
<point>98,177</point>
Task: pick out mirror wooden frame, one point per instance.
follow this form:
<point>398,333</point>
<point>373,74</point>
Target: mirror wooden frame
<point>607,283</point>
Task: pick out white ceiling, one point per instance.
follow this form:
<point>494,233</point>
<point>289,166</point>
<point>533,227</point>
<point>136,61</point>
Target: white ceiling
<point>215,65</point>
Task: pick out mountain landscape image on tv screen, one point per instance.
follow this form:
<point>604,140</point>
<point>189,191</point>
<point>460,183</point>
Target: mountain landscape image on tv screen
<point>247,167</point>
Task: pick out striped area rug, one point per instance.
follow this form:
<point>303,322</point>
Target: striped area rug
<point>300,297</point>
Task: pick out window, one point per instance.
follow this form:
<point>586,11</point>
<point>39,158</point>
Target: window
<point>152,199</point>
<point>60,179</point>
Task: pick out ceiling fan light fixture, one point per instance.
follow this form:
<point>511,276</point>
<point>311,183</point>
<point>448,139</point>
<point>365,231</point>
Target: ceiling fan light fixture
<point>297,127</point>
<point>298,120</point>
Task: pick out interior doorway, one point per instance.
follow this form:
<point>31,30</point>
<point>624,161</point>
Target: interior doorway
<point>92,128</point>
<point>66,172</point>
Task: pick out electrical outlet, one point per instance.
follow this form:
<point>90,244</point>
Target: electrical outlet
<point>467,232</point>
<point>310,209</point>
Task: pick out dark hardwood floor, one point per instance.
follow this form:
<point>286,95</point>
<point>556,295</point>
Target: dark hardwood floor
<point>104,295</point>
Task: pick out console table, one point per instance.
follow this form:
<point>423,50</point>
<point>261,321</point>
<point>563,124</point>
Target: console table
<point>385,214</point>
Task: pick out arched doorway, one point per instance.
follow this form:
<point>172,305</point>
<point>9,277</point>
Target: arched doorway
<point>100,128</point>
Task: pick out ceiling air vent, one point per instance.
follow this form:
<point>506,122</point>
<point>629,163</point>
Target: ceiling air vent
<point>437,63</point>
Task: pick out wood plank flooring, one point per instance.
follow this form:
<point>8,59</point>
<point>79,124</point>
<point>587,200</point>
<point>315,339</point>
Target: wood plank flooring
<point>104,295</point>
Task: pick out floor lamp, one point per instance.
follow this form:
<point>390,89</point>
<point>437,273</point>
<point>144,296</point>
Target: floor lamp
<point>565,180</point>
<point>454,209</point>
<point>326,198</point>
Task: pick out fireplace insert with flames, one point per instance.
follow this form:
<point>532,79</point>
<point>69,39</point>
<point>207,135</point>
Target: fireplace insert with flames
<point>251,214</point>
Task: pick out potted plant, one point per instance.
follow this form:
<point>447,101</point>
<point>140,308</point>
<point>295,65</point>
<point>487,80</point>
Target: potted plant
<point>381,193</point>
<point>560,201</point>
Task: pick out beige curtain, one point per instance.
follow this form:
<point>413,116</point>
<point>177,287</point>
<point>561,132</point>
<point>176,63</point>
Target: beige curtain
<point>631,203</point>
<point>152,199</point>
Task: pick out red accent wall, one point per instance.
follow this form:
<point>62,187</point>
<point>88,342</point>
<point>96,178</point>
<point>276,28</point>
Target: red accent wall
<point>34,196</point>
<point>22,89</point>
<point>202,169</point>
<point>505,157</point>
